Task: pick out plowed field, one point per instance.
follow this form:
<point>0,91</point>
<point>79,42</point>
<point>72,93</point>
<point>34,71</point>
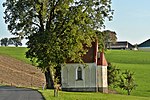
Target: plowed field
<point>18,73</point>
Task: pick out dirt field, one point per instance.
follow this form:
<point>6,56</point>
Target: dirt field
<point>17,73</point>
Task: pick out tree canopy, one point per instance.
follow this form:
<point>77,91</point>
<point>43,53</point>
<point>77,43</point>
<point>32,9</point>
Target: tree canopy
<point>11,41</point>
<point>4,42</point>
<point>56,29</point>
<point>106,38</point>
<point>15,41</point>
<point>56,25</point>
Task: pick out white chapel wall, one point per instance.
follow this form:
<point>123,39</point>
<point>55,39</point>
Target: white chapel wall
<point>69,76</point>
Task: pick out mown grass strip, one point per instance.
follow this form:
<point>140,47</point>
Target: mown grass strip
<point>16,52</point>
<point>49,95</point>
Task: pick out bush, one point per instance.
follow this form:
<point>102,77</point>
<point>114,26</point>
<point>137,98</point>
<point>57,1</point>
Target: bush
<point>113,75</point>
<point>123,80</point>
<point>127,81</point>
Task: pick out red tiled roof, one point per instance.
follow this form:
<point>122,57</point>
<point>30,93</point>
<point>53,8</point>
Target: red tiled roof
<point>102,61</point>
<point>91,56</point>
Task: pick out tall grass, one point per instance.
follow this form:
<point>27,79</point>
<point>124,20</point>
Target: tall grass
<point>136,61</point>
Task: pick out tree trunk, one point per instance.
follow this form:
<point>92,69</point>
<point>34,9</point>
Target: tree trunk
<point>49,79</point>
<point>128,92</point>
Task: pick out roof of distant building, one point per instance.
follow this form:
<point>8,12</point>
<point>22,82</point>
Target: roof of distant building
<point>120,44</point>
<point>145,43</point>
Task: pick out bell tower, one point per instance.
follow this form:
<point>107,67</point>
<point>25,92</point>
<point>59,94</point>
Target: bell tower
<point>102,84</point>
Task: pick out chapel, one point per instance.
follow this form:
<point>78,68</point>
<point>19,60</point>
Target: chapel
<point>92,77</point>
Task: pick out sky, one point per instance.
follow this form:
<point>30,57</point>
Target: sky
<point>3,27</point>
<point>131,21</point>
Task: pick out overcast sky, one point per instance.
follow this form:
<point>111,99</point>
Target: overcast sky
<point>131,20</point>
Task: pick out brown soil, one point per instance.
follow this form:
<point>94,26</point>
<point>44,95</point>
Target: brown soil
<point>110,91</point>
<point>17,73</point>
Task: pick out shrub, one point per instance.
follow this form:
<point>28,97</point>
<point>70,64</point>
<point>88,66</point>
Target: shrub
<point>127,81</point>
<point>113,75</point>
<point>123,80</point>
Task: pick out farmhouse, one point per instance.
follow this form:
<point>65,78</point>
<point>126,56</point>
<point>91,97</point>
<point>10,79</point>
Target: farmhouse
<point>89,77</point>
<point>123,45</point>
<point>145,46</point>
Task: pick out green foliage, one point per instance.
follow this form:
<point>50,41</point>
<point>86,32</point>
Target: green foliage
<point>49,95</point>
<point>15,41</point>
<point>127,81</point>
<point>4,42</point>
<point>110,37</point>
<point>105,39</point>
<point>123,80</point>
<point>113,75</point>
<point>11,41</point>
<point>56,29</point>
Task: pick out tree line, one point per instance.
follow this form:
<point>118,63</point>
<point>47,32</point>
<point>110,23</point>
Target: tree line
<point>16,41</point>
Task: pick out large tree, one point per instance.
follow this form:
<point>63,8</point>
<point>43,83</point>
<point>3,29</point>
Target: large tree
<point>56,29</point>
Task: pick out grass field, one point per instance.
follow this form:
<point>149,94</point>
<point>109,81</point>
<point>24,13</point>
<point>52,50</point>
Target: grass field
<point>16,52</point>
<point>136,61</point>
<point>49,95</point>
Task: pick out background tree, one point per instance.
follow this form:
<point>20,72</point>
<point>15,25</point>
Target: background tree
<point>109,38</point>
<point>56,29</point>
<point>127,81</point>
<point>15,41</point>
<point>106,38</point>
<point>4,42</point>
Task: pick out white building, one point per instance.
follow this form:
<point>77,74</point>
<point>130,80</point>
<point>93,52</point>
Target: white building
<point>93,77</point>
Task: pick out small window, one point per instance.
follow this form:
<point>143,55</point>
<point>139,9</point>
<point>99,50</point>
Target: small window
<point>79,73</point>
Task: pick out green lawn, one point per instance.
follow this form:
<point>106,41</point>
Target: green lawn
<point>136,61</point>
<point>49,95</point>
<point>128,56</point>
<point>16,52</point>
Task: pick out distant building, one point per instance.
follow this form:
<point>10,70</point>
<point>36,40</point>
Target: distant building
<point>92,77</point>
<point>145,46</point>
<point>120,45</point>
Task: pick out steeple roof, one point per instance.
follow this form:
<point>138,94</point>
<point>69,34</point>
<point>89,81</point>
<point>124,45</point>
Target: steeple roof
<point>102,60</point>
